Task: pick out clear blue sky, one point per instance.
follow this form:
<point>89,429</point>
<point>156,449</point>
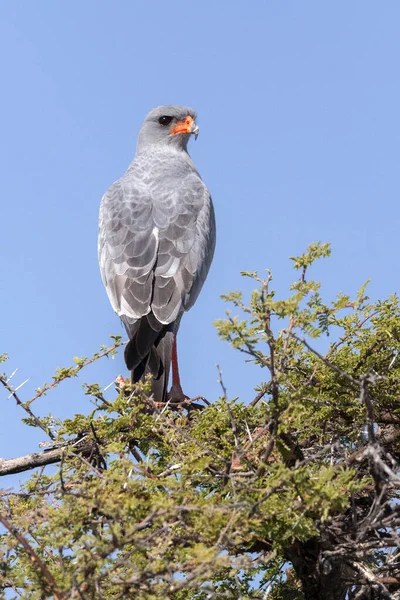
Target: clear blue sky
<point>298,106</point>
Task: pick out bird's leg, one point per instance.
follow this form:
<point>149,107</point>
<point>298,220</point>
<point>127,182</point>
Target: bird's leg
<point>176,392</point>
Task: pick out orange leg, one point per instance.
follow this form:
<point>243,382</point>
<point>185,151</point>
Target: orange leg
<point>176,392</point>
<point>176,380</point>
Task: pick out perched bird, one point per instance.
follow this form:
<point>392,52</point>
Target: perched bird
<point>156,244</point>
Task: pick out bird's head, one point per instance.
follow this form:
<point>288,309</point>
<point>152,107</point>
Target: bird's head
<point>168,125</point>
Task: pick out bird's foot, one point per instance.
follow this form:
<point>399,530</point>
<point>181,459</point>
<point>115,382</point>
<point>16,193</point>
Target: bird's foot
<point>176,395</point>
<point>177,400</point>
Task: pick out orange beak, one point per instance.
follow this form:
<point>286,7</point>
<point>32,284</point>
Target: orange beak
<point>187,125</point>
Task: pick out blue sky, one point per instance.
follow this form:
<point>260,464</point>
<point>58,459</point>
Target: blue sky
<point>298,106</point>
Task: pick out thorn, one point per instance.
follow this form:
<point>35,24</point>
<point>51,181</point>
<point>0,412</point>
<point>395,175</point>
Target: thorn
<point>12,375</point>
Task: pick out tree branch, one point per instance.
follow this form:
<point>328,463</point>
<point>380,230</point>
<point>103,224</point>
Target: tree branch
<point>33,556</point>
<point>26,408</point>
<point>10,466</point>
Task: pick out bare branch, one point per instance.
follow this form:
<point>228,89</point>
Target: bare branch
<point>10,466</point>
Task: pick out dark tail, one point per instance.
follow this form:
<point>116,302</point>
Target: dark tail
<point>149,351</point>
<point>159,365</point>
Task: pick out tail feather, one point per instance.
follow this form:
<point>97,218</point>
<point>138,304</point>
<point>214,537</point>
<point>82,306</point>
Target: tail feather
<point>142,336</point>
<point>149,351</point>
<point>151,364</point>
<point>161,354</point>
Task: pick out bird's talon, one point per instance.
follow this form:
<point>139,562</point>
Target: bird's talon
<point>177,396</point>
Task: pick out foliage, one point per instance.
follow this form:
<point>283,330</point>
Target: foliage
<point>225,500</point>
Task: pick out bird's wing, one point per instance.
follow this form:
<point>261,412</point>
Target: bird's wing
<point>127,249</point>
<point>155,246</point>
<point>186,248</point>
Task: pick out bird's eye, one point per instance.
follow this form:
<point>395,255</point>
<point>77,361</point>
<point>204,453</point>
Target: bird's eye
<point>165,120</point>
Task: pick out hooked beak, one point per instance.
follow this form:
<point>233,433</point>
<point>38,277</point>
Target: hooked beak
<point>187,125</point>
<point>195,131</point>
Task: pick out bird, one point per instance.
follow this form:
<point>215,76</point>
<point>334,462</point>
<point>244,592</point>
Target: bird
<point>156,243</point>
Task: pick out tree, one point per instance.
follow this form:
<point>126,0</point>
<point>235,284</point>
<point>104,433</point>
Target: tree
<point>294,496</point>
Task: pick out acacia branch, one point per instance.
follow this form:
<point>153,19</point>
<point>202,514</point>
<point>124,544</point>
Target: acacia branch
<point>26,408</point>
<point>33,556</point>
<point>10,466</point>
<point>83,447</point>
<point>329,364</point>
<point>59,378</point>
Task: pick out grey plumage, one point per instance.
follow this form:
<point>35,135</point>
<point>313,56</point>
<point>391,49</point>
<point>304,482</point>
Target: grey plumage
<point>156,241</point>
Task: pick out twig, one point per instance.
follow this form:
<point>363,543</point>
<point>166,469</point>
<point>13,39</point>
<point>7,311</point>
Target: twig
<point>76,370</point>
<point>270,446</point>
<point>198,398</point>
<point>325,360</point>
<point>221,382</point>
<point>371,579</point>
<point>259,396</point>
<point>26,408</point>
<point>33,555</point>
<point>365,380</point>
